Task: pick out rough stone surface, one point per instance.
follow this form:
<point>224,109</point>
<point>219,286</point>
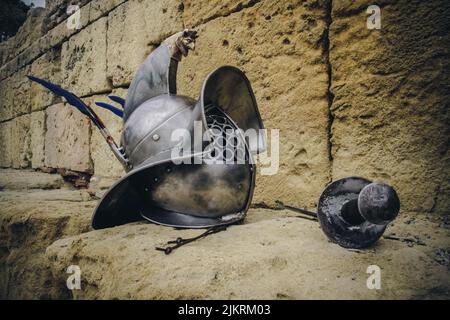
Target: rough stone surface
<point>198,12</point>
<point>126,27</point>
<point>57,11</point>
<point>28,179</point>
<point>61,32</point>
<point>272,256</point>
<point>138,25</point>
<point>98,185</point>
<point>279,46</point>
<point>100,8</point>
<point>391,106</point>
<point>37,136</point>
<point>347,101</point>
<point>47,67</point>
<point>29,222</point>
<point>29,32</point>
<point>83,60</point>
<point>5,140</point>
<point>4,47</point>
<point>67,139</point>
<point>16,98</point>
<point>19,146</point>
<point>104,162</point>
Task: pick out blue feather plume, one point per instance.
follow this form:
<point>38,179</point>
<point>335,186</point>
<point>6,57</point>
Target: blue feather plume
<point>70,98</point>
<point>117,99</point>
<point>109,107</point>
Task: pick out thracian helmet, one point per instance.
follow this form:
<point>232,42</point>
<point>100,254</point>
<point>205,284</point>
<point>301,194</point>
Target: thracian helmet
<point>176,181</point>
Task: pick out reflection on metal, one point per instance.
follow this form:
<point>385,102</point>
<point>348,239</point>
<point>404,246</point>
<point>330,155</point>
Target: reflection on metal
<point>192,194</point>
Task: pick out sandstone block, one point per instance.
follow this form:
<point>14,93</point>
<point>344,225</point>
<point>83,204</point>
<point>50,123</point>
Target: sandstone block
<point>15,95</point>
<point>57,11</point>
<point>37,133</point>
<point>277,256</point>
<point>391,115</point>
<point>279,46</point>
<point>133,28</point>
<point>67,139</point>
<point>29,222</point>
<point>47,67</point>
<point>19,143</point>
<point>198,12</point>
<point>28,179</point>
<point>99,8</point>
<point>4,48</point>
<point>29,32</point>
<point>5,150</point>
<point>83,60</point>
<point>61,31</point>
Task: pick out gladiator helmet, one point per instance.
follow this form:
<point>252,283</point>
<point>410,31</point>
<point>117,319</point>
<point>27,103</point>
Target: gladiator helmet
<point>176,181</point>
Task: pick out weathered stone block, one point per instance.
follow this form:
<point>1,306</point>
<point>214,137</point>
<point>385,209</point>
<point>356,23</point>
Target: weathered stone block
<point>29,222</point>
<point>8,68</point>
<point>19,143</point>
<point>61,31</point>
<point>15,95</point>
<point>67,139</point>
<point>37,132</point>
<point>133,28</point>
<point>5,140</point>
<point>29,180</point>
<point>391,111</point>
<point>47,67</point>
<point>198,12</point>
<point>99,8</point>
<point>104,162</point>
<point>280,47</point>
<point>29,32</point>
<point>4,48</point>
<point>57,11</point>
<point>83,60</point>
<point>273,246</point>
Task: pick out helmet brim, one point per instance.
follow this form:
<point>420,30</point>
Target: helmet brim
<point>123,203</point>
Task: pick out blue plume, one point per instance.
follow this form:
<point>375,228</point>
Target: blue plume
<point>109,107</point>
<point>117,99</point>
<point>70,97</point>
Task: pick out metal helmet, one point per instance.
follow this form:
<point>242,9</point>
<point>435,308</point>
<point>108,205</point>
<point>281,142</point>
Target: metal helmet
<point>177,182</point>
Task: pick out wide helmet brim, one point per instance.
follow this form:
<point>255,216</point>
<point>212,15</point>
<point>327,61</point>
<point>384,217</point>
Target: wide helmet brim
<point>123,202</point>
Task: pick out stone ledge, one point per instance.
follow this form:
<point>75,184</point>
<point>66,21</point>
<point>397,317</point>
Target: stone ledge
<point>272,256</point>
<point>29,222</point>
<point>28,179</point>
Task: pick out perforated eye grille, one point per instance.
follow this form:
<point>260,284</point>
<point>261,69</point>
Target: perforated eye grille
<point>227,144</point>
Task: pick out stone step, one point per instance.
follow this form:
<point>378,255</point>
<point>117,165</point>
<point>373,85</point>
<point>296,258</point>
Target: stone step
<point>29,179</point>
<point>29,222</point>
<point>273,255</point>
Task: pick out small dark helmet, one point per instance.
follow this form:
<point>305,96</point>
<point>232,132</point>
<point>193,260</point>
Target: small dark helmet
<point>176,180</point>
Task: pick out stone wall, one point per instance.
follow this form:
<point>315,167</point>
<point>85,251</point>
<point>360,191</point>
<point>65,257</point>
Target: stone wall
<point>347,100</point>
